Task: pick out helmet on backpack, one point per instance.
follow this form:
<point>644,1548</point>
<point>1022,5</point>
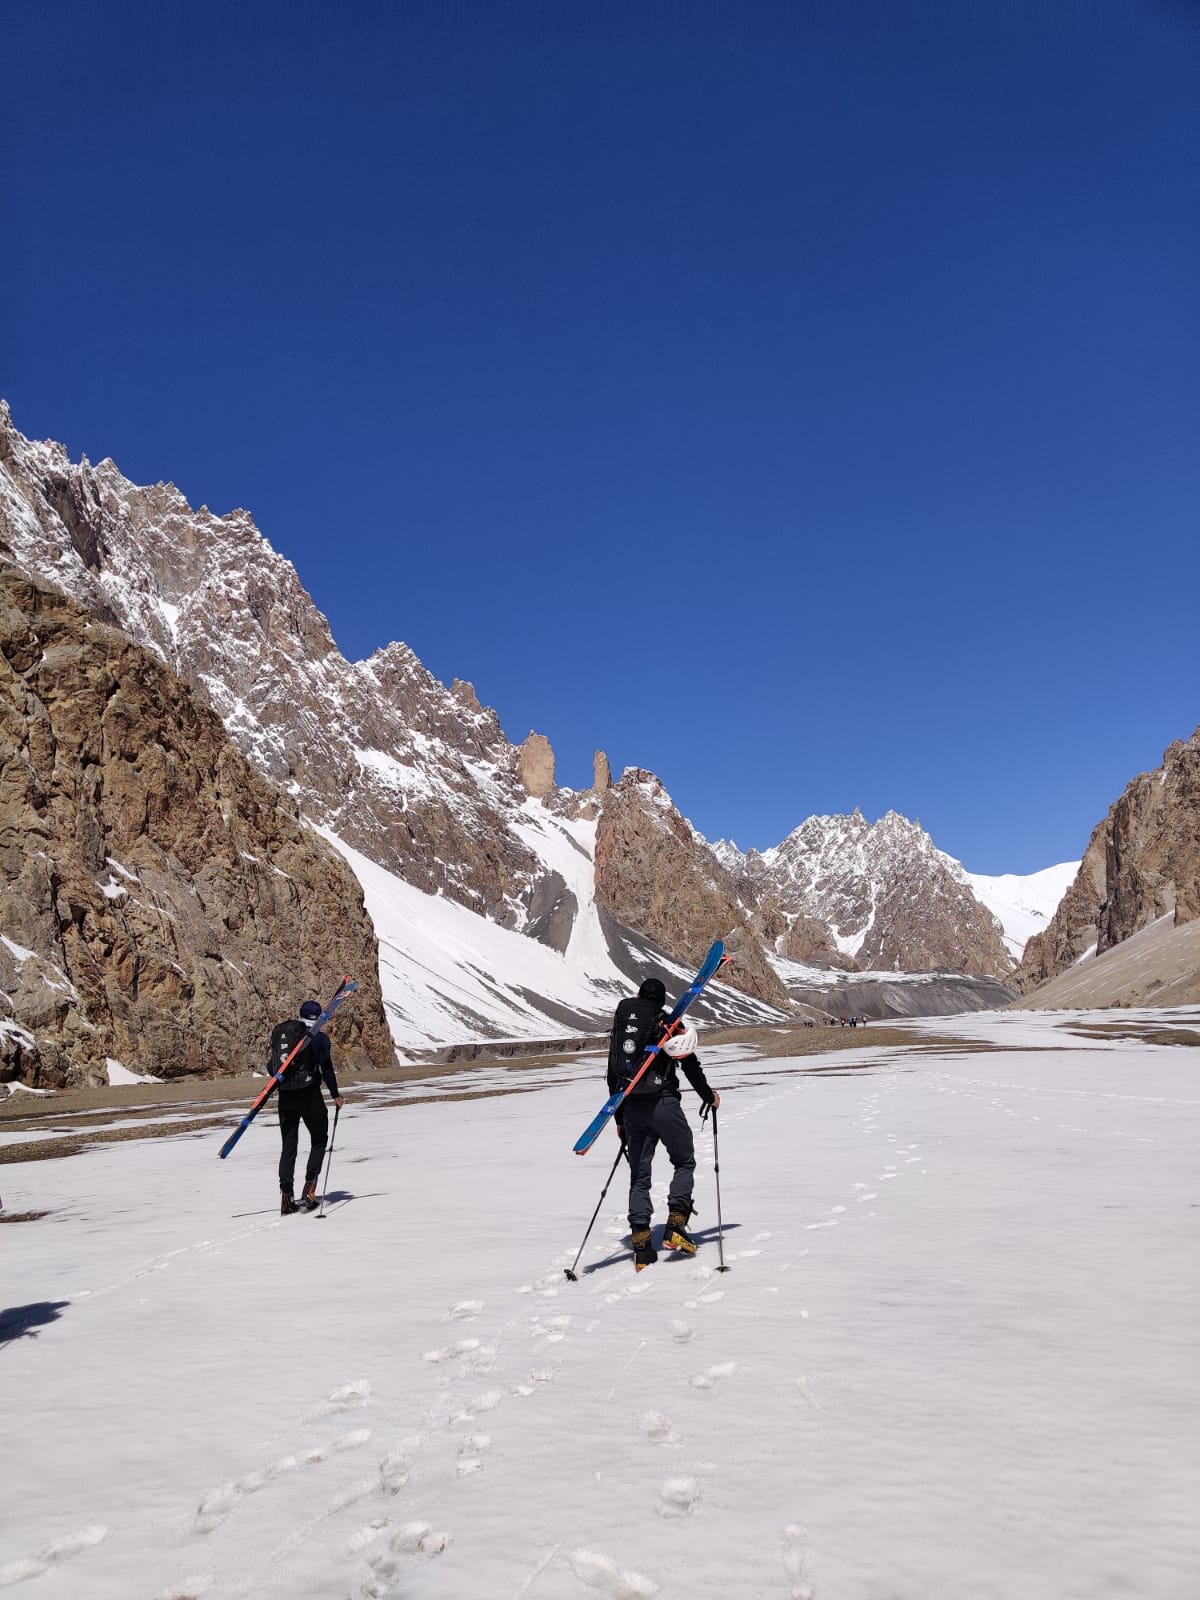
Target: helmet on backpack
<point>682,1043</point>
<point>310,1010</point>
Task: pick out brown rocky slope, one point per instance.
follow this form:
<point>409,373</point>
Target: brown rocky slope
<point>162,903</point>
<point>655,875</point>
<point>1142,863</point>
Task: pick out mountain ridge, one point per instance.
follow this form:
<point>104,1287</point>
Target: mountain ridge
<point>420,778</point>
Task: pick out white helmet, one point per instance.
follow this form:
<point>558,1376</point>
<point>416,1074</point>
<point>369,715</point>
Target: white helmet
<point>682,1043</point>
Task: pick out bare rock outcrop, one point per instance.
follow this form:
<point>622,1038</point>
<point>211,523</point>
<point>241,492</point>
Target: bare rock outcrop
<point>163,903</point>
<point>1142,862</point>
<point>656,876</point>
<point>535,766</point>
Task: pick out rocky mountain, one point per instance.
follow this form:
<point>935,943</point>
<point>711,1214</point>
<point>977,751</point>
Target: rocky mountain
<point>417,776</point>
<point>656,874</point>
<point>877,896</point>
<point>160,896</point>
<point>420,780</point>
<point>1142,863</point>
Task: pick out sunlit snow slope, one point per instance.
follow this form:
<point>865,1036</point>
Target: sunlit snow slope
<point>448,975</point>
<point>1023,905</point>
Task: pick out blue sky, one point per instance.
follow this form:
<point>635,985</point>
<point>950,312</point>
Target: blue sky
<point>800,401</point>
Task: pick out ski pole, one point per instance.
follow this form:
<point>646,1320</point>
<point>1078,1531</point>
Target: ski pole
<point>337,1111</point>
<point>717,1175</point>
<point>570,1271</point>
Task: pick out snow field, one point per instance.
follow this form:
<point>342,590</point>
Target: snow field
<point>952,1357</point>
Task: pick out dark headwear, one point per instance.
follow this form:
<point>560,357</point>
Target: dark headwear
<point>310,1010</point>
<point>653,989</point>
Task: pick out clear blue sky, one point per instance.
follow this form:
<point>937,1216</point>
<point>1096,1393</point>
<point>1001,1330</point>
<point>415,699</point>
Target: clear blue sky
<point>799,400</point>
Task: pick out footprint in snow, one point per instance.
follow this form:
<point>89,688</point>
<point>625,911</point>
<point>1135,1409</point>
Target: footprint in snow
<point>553,1330</point>
<point>451,1352</point>
<point>51,1555</point>
<point>470,1454</point>
<point>464,1311</point>
<point>681,1332</point>
<point>759,1236</point>
<point>657,1428</point>
<point>600,1572</point>
<point>412,1539</point>
<point>794,1560</point>
<point>640,1287</point>
<point>349,1397</point>
<point>802,1385</point>
<point>364,1537</point>
<point>190,1589</point>
<point>677,1497</point>
<point>873,1195</point>
<point>711,1376</point>
<point>394,1467</point>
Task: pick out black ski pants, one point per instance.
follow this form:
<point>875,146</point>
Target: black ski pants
<point>650,1120</point>
<point>307,1106</point>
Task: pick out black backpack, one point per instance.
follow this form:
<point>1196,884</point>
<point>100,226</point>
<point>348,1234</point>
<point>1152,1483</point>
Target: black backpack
<point>636,1026</point>
<point>303,1072</point>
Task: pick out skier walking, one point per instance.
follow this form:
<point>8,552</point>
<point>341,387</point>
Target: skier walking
<point>301,1100</point>
<point>653,1113</point>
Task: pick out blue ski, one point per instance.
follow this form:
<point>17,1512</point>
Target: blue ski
<point>344,990</point>
<point>713,962</point>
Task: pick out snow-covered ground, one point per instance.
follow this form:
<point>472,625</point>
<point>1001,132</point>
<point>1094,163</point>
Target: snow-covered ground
<point>954,1357</point>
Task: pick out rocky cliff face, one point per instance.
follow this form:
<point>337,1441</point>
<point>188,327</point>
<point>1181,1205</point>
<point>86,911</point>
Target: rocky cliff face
<point>1142,862</point>
<point>417,776</point>
<point>654,874</point>
<point>161,900</point>
<point>879,896</point>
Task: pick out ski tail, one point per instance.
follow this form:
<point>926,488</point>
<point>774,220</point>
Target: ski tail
<point>343,992</point>
<point>711,965</point>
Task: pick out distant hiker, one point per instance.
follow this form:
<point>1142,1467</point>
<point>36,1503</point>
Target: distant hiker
<point>301,1100</point>
<point>653,1112</point>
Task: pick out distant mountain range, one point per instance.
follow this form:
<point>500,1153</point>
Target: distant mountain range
<point>504,905</point>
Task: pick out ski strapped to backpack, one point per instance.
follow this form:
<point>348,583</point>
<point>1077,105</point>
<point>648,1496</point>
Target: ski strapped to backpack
<point>712,964</point>
<point>343,992</point>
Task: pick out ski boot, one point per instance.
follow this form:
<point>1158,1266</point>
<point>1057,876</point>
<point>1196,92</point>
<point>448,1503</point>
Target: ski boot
<point>675,1234</point>
<point>308,1198</point>
<point>286,1203</point>
<point>644,1253</point>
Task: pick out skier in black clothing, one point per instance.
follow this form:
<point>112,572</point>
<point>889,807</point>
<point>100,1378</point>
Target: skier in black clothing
<point>653,1112</point>
<point>301,1100</point>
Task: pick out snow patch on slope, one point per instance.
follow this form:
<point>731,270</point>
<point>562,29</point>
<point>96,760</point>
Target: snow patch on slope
<point>1023,906</point>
